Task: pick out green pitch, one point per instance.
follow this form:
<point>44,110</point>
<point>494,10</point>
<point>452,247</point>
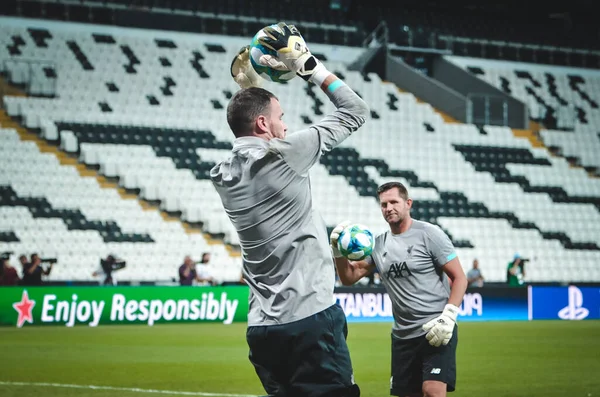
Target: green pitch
<point>494,359</point>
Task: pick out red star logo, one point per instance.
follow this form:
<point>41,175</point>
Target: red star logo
<point>24,309</point>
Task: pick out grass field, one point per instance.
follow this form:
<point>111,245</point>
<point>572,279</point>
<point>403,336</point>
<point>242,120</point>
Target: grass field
<point>494,359</point>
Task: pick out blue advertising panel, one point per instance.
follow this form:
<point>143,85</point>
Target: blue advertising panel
<point>495,304</point>
<point>564,303</point>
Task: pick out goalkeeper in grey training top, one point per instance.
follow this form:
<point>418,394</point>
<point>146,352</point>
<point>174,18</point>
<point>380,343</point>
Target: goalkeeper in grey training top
<point>296,332</point>
<point>415,259</point>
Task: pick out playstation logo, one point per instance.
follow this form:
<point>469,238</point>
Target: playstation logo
<point>574,310</point>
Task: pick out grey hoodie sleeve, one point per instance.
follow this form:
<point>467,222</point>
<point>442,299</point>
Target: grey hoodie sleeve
<point>302,149</point>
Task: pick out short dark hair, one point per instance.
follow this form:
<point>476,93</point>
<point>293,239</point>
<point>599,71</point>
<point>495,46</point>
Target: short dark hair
<point>390,185</point>
<point>245,106</point>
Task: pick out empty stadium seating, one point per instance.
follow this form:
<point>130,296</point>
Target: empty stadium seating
<point>49,208</point>
<point>148,108</point>
<point>564,99</point>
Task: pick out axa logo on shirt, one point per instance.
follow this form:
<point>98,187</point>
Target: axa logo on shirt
<point>574,310</point>
<point>398,270</point>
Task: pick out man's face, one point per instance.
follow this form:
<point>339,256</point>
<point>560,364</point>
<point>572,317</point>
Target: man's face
<point>274,120</point>
<point>475,264</point>
<point>188,261</point>
<point>35,260</point>
<point>393,207</point>
<point>23,259</point>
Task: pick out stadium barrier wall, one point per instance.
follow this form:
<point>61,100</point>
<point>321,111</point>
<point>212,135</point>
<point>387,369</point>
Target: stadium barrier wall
<point>466,83</point>
<point>425,88</point>
<point>94,306</point>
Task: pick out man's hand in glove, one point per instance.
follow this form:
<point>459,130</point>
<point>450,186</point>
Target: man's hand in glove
<point>292,52</point>
<point>440,329</point>
<point>242,71</point>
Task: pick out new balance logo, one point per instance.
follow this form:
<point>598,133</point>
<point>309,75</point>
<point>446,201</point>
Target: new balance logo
<point>398,270</point>
<point>436,371</point>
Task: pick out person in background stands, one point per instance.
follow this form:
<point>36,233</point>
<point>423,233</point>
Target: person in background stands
<point>474,276</point>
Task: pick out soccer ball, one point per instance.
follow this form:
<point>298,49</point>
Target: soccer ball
<point>356,242</point>
<point>267,73</point>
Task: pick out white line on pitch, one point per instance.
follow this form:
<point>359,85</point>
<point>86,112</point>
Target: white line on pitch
<point>129,389</point>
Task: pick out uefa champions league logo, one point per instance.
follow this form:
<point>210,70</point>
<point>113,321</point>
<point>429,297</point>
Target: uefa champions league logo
<point>574,310</point>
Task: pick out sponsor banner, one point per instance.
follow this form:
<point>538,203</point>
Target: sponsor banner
<point>93,306</point>
<point>494,304</point>
<point>564,303</point>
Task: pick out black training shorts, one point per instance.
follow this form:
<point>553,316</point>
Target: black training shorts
<point>307,358</point>
<point>415,361</point>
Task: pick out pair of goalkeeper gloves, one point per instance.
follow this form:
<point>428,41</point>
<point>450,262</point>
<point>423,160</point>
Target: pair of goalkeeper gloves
<point>292,55</point>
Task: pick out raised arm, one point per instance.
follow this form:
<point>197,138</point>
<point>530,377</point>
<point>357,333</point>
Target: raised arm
<point>302,149</point>
<point>350,272</point>
<point>293,54</point>
<point>351,113</point>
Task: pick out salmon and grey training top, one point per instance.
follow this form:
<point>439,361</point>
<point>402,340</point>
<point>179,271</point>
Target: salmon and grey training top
<point>265,190</point>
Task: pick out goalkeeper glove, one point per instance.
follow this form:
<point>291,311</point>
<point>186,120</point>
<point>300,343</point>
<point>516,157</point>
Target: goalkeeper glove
<point>242,71</point>
<point>333,238</point>
<point>293,52</point>
<point>440,329</point>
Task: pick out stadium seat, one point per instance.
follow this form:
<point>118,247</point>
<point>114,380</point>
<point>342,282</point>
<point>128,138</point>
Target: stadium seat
<point>149,111</point>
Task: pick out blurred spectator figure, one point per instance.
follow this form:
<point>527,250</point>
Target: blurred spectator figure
<point>8,274</point>
<point>474,276</point>
<point>203,270</point>
<point>23,261</point>
<point>107,268</point>
<point>188,272</point>
<point>515,272</point>
<point>33,271</point>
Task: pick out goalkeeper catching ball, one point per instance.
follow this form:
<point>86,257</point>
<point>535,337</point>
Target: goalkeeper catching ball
<point>415,259</point>
<point>296,332</point>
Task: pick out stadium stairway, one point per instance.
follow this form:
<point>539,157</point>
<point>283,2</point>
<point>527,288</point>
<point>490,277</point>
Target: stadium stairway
<point>531,135</point>
<point>69,160</point>
<point>9,89</point>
